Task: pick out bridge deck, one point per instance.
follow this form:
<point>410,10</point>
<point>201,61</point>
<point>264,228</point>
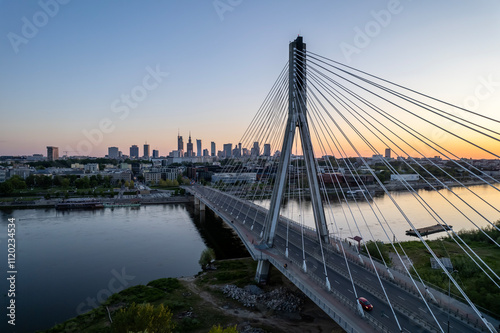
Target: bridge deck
<point>246,219</point>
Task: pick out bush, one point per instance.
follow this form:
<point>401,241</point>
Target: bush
<point>143,317</point>
<point>219,329</point>
<point>206,257</point>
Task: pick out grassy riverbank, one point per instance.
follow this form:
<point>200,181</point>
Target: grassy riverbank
<point>197,304</point>
<point>469,276</point>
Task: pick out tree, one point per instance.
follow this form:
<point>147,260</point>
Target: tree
<point>206,257</point>
<point>17,182</point>
<point>6,188</point>
<point>143,317</point>
<point>65,183</point>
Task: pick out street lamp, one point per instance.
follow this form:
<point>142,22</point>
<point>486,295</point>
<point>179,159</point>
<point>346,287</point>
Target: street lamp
<point>449,297</point>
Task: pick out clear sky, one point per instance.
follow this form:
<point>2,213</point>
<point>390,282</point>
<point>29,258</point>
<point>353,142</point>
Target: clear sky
<point>67,67</point>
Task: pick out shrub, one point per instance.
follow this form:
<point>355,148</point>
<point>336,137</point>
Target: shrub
<point>143,317</point>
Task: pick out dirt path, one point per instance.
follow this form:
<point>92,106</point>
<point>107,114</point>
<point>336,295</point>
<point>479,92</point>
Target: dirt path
<point>311,319</point>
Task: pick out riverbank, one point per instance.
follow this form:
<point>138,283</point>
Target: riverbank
<point>143,199</point>
<point>198,303</point>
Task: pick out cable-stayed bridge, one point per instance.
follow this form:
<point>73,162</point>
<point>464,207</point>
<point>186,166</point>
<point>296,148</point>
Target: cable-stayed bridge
<point>325,117</point>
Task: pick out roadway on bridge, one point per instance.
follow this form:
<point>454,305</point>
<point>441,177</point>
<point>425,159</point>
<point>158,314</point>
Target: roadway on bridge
<point>411,311</point>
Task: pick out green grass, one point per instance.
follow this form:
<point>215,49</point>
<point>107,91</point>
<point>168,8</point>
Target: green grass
<point>470,277</point>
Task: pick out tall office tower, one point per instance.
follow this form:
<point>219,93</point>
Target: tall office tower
<point>228,147</point>
<point>255,149</point>
<point>212,149</point>
<point>267,150</point>
<point>387,152</point>
<point>112,152</point>
<point>205,152</point>
<point>156,153</point>
<point>236,152</point>
<point>198,148</point>
<point>52,153</point>
<point>180,145</point>
<point>146,150</point>
<point>189,147</point>
<point>134,152</point>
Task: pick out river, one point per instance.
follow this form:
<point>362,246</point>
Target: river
<point>340,221</point>
<point>67,262</point>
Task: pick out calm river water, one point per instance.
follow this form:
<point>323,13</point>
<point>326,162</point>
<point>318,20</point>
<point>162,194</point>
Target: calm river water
<point>341,216</point>
<point>68,261</point>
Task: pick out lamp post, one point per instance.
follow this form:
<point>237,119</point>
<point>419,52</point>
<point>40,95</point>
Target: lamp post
<point>449,297</point>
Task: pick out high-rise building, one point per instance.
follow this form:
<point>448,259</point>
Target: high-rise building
<point>267,150</point>
<point>52,153</point>
<point>205,152</point>
<point>113,152</point>
<point>134,152</point>
<point>387,152</point>
<point>227,150</point>
<point>146,150</point>
<point>180,145</point>
<point>189,147</point>
<point>255,149</point>
<point>212,148</point>
<point>156,153</point>
<point>198,148</point>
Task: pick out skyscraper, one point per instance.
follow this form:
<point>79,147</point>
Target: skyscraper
<point>146,150</point>
<point>198,148</point>
<point>387,152</point>
<point>180,145</point>
<point>267,149</point>
<point>134,151</point>
<point>228,147</point>
<point>212,149</point>
<point>112,152</point>
<point>255,149</point>
<point>189,147</point>
<point>156,153</point>
<point>52,153</point>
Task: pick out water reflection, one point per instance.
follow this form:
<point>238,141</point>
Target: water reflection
<point>381,219</point>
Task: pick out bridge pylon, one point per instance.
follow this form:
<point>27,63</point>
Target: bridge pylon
<point>297,118</point>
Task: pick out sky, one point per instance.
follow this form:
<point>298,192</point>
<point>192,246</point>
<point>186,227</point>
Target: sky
<point>87,75</point>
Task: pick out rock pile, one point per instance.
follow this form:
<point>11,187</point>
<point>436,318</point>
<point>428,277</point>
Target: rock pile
<point>279,299</point>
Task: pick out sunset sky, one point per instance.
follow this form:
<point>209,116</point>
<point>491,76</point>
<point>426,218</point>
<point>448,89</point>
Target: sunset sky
<point>205,67</point>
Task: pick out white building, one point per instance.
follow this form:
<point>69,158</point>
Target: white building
<point>406,177</point>
<point>91,167</point>
<point>231,178</point>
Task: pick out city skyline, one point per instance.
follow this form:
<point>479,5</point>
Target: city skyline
<point>86,87</point>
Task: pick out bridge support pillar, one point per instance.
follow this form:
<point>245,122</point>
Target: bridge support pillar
<point>262,271</point>
<point>196,201</point>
